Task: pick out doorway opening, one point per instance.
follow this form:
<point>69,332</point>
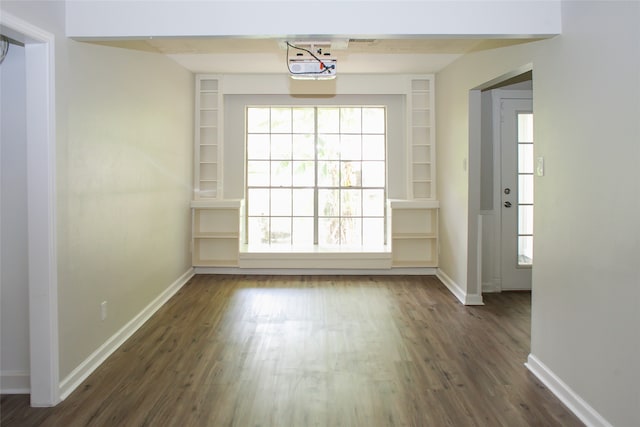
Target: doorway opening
<point>39,105</point>
<point>501,183</point>
<point>501,197</point>
<point>14,273</point>
<point>514,209</point>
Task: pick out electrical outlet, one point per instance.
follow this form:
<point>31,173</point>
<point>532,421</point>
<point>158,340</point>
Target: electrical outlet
<point>103,310</point>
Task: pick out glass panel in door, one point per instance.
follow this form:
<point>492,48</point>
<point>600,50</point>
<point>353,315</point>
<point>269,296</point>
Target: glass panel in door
<point>525,189</point>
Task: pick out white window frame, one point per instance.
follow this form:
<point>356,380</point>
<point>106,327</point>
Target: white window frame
<point>316,187</point>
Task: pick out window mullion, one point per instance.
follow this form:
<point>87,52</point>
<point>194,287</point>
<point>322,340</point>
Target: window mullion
<point>339,213</point>
<point>315,168</point>
<point>270,217</point>
<point>291,236</point>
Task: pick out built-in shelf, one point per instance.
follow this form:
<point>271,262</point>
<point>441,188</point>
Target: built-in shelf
<point>421,131</point>
<point>208,136</point>
<point>414,233</point>
<point>413,223</point>
<point>216,232</point>
<point>216,239</point>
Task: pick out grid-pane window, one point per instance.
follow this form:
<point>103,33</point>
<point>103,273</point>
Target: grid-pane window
<point>525,189</point>
<point>316,175</point>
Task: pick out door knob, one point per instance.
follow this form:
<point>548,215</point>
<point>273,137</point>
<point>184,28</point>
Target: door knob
<point>507,204</point>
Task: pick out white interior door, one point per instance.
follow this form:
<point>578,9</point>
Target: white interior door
<point>516,193</point>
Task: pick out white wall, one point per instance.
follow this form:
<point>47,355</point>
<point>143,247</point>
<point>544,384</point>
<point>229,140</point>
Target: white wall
<point>259,18</point>
<point>586,275</point>
<point>124,142</point>
<point>14,290</point>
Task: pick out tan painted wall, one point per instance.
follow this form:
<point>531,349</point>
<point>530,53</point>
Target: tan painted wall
<point>124,135</point>
<point>586,276</point>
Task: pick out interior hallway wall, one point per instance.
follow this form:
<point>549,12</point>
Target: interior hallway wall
<point>125,220</point>
<point>124,170</point>
<point>586,274</point>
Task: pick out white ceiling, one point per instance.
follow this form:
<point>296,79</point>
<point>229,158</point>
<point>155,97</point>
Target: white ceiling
<point>268,55</point>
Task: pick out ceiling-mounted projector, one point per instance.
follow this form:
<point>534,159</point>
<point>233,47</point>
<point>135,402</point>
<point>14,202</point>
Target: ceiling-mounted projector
<point>312,69</point>
<point>310,61</point>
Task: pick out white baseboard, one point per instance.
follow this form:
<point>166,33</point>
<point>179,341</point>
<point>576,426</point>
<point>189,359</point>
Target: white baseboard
<point>15,382</point>
<point>570,398</point>
<point>490,287</point>
<point>91,363</point>
<point>456,290</point>
<point>405,271</point>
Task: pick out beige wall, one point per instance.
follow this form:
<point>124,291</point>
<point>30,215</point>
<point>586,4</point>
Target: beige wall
<point>124,137</point>
<point>586,276</point>
<point>124,218</point>
<point>117,209</point>
<point>587,289</point>
<point>452,107</point>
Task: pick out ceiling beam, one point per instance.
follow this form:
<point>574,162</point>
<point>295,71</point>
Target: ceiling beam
<point>104,19</point>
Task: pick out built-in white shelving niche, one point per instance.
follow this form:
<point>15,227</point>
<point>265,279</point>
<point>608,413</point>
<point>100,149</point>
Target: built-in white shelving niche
<point>421,138</point>
<point>207,182</point>
<point>216,233</point>
<point>414,233</point>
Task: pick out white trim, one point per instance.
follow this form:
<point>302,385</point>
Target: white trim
<point>496,118</point>
<point>479,252</point>
<point>473,299</point>
<point>315,257</point>
<point>493,283</point>
<point>216,204</point>
<point>14,382</point>
<point>491,287</point>
<point>413,203</point>
<point>506,76</point>
<point>23,31</point>
<point>41,199</point>
<point>345,84</point>
<point>562,391</point>
<point>451,285</point>
<point>318,272</point>
<point>91,363</point>
<point>456,290</point>
<point>472,167</point>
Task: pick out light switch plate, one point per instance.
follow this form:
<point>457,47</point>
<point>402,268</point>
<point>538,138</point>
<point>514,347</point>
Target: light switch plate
<point>540,166</point>
<point>103,310</point>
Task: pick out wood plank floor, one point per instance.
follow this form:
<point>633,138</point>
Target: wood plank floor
<point>315,351</point>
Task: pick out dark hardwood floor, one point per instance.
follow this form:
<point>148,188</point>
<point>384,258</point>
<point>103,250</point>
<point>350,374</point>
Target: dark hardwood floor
<point>315,351</point>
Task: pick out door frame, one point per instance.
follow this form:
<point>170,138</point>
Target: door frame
<point>476,218</point>
<point>41,202</point>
